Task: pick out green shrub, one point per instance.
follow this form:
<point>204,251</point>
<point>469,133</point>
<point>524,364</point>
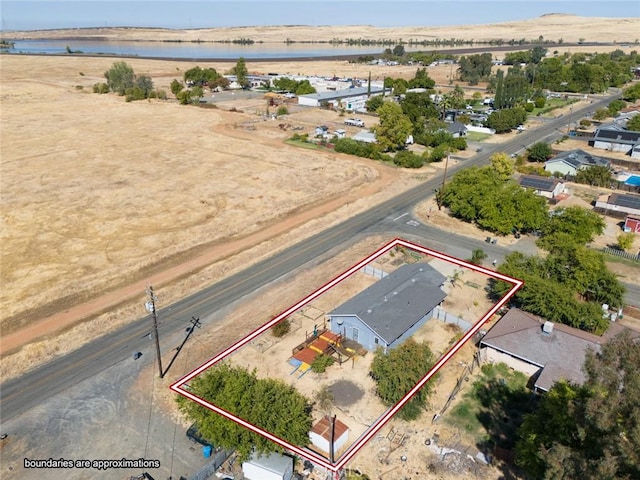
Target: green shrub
<point>321,362</point>
<point>407,159</point>
<point>281,328</point>
<point>438,153</point>
<point>540,102</point>
<point>282,111</point>
<point>459,143</point>
<point>529,107</point>
<point>100,88</point>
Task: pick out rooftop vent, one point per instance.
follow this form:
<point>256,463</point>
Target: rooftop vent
<point>548,328</point>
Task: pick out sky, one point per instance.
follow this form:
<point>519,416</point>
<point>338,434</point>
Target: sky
<point>52,14</point>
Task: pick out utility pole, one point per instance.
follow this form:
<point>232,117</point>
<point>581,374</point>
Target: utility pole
<point>440,193</point>
<point>150,305</point>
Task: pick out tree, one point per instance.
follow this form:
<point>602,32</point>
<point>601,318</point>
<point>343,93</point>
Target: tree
<point>374,103</point>
<point>625,240</point>
<point>506,119</point>
<point>632,93</point>
<point>144,83</point>
<point>601,114</point>
<point>241,72</point>
<point>120,77</point>
<point>176,87</point>
<point>615,106</point>
<point>634,123</point>
<point>394,128</point>
<point>503,165</point>
<point>578,224</point>
<point>478,256</point>
<point>397,371</point>
<point>398,50</point>
<point>539,152</point>
<point>201,76</point>
<point>241,393</point>
<point>304,87</point>
<point>597,175</point>
<point>589,431</point>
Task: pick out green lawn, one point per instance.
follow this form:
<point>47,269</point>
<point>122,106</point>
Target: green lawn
<point>552,104</point>
<point>493,408</point>
<point>477,136</point>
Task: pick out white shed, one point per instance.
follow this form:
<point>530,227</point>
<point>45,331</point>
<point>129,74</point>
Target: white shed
<point>268,467</point>
<point>320,435</point>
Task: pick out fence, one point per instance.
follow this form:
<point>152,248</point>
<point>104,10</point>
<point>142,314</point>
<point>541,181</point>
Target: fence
<point>447,317</point>
<point>374,272</point>
<point>468,370</point>
<point>211,467</point>
<point>621,253</point>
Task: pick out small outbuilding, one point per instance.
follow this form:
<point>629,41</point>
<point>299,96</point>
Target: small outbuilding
<point>320,435</point>
<point>547,187</point>
<point>268,467</point>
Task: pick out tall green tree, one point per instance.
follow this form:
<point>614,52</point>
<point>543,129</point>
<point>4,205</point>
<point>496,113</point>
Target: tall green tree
<point>539,152</point>
<point>503,165</point>
<point>590,431</point>
<point>176,86</point>
<point>120,77</point>
<point>634,123</point>
<point>398,371</point>
<point>580,225</point>
<point>241,72</point>
<point>243,394</point>
<point>394,127</point>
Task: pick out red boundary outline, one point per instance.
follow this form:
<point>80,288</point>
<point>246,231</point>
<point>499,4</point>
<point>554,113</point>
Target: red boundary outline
<point>383,419</point>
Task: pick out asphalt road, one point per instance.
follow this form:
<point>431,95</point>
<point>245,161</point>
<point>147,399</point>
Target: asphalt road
<point>19,395</point>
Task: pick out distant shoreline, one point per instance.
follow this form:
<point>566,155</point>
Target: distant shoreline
<point>451,50</point>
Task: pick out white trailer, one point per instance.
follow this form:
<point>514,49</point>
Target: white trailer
<point>268,467</point>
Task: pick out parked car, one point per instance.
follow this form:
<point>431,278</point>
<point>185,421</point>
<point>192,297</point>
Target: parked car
<point>354,122</point>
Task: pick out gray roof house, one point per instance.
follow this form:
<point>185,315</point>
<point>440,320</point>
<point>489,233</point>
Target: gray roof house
<point>618,204</point>
<point>568,163</point>
<point>616,138</point>
<point>457,129</point>
<point>391,310</point>
<point>546,351</point>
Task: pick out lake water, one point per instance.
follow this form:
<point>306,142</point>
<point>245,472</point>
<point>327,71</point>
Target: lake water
<point>190,50</point>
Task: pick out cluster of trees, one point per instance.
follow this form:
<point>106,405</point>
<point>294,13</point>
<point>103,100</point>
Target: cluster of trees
<point>506,119</point>
<point>421,79</point>
<point>241,393</point>
<point>488,197</point>
<point>399,370</point>
<point>581,72</point>
<point>122,80</point>
<point>302,87</point>
<point>571,282</point>
<point>511,90</point>
<point>534,55</point>
<point>475,68</point>
<point>205,77</point>
<point>590,430</point>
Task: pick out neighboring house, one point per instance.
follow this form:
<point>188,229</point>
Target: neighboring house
<point>616,138</point>
<point>268,467</point>
<point>632,224</point>
<point>618,204</point>
<point>545,351</point>
<point>547,187</point>
<point>320,435</point>
<point>365,136</point>
<point>352,99</point>
<point>392,309</point>
<point>457,129</point>
<point>568,163</point>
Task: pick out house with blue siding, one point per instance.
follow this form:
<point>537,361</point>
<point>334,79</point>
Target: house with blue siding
<point>391,310</point>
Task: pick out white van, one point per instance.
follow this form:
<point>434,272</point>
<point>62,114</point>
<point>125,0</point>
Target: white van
<point>354,122</point>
